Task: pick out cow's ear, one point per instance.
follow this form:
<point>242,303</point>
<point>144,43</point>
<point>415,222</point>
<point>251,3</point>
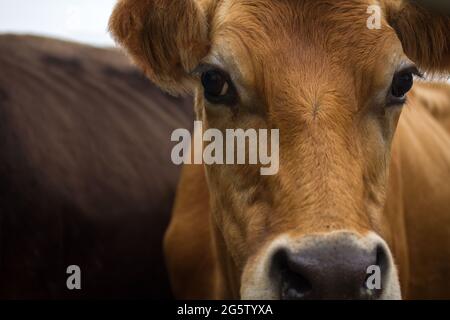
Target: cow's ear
<point>423,27</point>
<point>166,38</point>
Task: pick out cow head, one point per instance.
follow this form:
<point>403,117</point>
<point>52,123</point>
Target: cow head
<point>334,87</point>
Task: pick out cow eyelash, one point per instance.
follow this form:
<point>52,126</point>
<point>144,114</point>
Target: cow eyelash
<point>416,72</point>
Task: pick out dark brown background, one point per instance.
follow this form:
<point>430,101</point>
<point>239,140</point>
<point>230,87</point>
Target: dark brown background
<point>85,171</point>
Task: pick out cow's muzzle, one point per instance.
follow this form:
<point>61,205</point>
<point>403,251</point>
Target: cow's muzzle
<point>339,265</point>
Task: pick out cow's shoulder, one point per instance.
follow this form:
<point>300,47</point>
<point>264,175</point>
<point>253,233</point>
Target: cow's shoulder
<point>419,194</point>
<point>422,142</point>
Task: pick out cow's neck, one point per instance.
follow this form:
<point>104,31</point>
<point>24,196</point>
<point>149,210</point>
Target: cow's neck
<point>227,282</point>
<point>393,220</point>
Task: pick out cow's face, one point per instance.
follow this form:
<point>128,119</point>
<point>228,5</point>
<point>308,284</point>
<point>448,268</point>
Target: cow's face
<point>334,88</point>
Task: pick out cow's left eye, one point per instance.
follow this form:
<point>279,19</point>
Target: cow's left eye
<point>401,84</point>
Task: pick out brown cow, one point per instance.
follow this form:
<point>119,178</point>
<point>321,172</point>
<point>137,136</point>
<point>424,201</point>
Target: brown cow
<point>335,89</point>
<point>85,169</point>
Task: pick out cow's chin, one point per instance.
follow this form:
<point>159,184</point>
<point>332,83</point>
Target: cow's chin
<point>331,266</point>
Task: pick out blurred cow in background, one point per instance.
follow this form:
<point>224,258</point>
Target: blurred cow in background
<point>85,172</point>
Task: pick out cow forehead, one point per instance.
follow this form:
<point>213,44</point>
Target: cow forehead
<point>307,19</point>
<point>302,39</point>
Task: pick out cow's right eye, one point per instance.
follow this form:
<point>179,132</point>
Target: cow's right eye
<point>401,84</point>
<point>218,87</point>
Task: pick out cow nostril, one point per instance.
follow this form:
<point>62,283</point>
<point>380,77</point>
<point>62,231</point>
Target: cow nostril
<point>326,270</point>
<point>293,285</point>
<point>382,260</point>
